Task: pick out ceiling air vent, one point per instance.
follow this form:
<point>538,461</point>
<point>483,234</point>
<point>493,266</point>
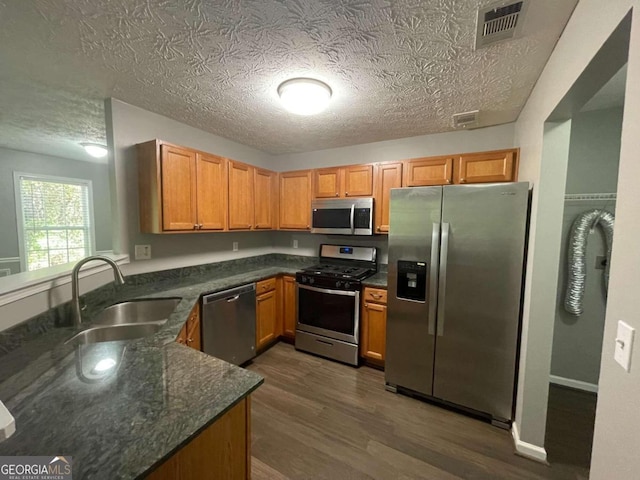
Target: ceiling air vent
<point>466,119</point>
<point>499,22</point>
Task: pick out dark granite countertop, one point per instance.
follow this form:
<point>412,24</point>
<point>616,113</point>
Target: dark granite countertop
<point>378,280</point>
<point>159,395</point>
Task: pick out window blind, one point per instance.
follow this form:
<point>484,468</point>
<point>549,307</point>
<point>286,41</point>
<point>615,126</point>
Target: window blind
<point>56,220</point>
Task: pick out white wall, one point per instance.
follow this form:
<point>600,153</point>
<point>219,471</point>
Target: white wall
<point>594,155</point>
<point>127,126</point>
<point>616,441</point>
<point>482,139</point>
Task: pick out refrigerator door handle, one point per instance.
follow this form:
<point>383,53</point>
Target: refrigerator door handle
<point>442,277</point>
<point>433,282</point>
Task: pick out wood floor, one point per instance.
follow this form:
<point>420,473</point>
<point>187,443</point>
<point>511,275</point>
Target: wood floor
<point>318,419</point>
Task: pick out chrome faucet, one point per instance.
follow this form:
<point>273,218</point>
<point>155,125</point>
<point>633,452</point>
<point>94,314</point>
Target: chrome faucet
<point>75,291</point>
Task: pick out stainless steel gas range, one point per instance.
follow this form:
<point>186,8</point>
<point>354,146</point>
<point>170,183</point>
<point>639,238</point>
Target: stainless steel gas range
<point>329,301</point>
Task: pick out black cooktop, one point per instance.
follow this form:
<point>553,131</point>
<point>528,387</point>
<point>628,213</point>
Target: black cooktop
<point>340,271</point>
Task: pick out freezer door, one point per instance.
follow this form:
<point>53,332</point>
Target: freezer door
<point>481,265</point>
<point>411,307</point>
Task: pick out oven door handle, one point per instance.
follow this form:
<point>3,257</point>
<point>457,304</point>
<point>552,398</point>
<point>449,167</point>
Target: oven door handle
<point>352,216</point>
<point>328,291</point>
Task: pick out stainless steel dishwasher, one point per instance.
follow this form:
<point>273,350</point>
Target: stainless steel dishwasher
<point>229,324</point>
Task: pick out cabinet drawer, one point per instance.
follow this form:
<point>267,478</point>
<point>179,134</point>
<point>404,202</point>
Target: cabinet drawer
<point>376,295</point>
<point>265,285</point>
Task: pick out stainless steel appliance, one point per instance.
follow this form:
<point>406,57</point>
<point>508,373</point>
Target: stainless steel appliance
<point>456,259</point>
<point>352,216</point>
<point>229,324</point>
<point>329,301</point>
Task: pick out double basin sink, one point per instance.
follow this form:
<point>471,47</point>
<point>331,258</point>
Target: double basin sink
<point>127,321</point>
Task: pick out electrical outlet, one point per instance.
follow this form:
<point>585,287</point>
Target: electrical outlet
<point>235,246</point>
<point>295,244</point>
<point>143,252</point>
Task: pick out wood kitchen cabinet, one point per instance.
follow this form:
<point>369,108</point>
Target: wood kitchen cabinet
<point>266,313</point>
<point>340,182</point>
<point>486,167</point>
<point>222,450</point>
<point>388,176</point>
<point>191,333</point>
<point>180,189</point>
<point>295,200</point>
<point>265,185</point>
<point>241,196</point>
<point>423,172</point>
<point>373,325</point>
<point>289,306</point>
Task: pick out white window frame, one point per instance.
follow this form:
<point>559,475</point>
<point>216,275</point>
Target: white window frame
<point>54,179</point>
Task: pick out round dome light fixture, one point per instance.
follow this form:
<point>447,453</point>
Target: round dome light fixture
<point>95,150</point>
<point>304,96</point>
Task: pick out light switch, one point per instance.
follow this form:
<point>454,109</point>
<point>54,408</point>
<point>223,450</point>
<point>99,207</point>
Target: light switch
<point>295,243</point>
<point>235,246</point>
<point>624,345</point>
<point>142,252</point>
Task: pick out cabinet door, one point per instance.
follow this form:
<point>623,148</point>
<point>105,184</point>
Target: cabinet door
<point>388,176</point>
<point>211,192</point>
<point>423,172</point>
<point>240,196</point>
<point>327,182</point>
<point>358,181</point>
<point>374,331</point>
<point>499,166</point>
<point>178,188</point>
<point>193,337</point>
<point>266,311</point>
<point>290,308</point>
<point>264,199</point>
<point>295,200</point>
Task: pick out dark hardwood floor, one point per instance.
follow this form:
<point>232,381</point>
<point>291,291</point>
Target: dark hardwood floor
<point>318,419</point>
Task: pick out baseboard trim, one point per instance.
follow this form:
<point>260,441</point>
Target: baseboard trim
<point>525,449</point>
<point>571,383</point>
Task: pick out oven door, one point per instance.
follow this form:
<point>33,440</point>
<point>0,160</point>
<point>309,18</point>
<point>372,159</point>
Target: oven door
<point>332,313</point>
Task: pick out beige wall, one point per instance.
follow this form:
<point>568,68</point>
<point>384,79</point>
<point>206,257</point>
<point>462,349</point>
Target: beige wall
<point>616,440</point>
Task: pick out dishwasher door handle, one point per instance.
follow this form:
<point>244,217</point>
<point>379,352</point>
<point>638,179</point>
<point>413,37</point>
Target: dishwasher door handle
<point>233,299</point>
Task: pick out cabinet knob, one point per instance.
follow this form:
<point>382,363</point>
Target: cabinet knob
<point>308,226</point>
<point>195,226</point>
<point>189,340</point>
<point>337,194</point>
<point>462,180</point>
<point>448,181</point>
<point>199,225</point>
<point>346,194</point>
<point>378,229</point>
<point>250,225</point>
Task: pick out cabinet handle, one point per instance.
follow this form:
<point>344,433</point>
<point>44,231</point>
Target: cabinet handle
<point>462,180</point>
<point>448,181</point>
<point>337,194</point>
<point>346,194</point>
<point>307,226</point>
<point>376,295</point>
<point>195,226</point>
<point>378,229</point>
<point>189,340</point>
<point>250,225</point>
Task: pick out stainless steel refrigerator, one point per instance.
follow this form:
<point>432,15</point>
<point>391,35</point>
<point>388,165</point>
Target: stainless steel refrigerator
<point>456,260</point>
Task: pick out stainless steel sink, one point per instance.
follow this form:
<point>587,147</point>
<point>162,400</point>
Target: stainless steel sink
<point>116,333</point>
<point>137,311</point>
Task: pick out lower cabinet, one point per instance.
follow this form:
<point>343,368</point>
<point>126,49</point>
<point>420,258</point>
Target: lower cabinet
<point>221,450</point>
<point>191,335</point>
<point>373,325</point>
<point>266,312</point>
<point>289,306</point>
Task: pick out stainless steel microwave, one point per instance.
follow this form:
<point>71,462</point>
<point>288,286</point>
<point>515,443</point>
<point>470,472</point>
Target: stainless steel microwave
<point>351,216</point>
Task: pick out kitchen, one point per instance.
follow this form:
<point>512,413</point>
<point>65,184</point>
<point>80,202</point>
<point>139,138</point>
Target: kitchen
<point>131,125</point>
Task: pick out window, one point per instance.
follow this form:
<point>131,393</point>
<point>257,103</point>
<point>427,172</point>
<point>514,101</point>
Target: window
<point>55,220</point>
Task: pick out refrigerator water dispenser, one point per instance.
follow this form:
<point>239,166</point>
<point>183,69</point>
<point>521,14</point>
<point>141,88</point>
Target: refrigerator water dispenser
<point>412,280</point>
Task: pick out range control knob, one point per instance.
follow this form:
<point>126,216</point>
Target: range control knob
<point>311,281</point>
<point>303,279</point>
<point>347,284</point>
<point>338,284</point>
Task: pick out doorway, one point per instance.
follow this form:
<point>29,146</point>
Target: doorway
<point>591,184</point>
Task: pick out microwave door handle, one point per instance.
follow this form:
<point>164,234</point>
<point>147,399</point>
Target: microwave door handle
<point>353,211</point>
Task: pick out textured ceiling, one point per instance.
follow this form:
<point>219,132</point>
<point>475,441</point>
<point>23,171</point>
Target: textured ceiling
<point>397,68</point>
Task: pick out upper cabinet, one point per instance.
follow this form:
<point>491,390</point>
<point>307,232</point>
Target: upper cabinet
<point>341,182</point>
<point>497,166</point>
<point>423,172</point>
<point>388,176</point>
<point>265,185</point>
<point>295,200</point>
<point>175,186</point>
<point>241,194</point>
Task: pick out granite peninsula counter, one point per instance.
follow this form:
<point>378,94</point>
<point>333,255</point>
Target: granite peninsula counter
<point>159,396</point>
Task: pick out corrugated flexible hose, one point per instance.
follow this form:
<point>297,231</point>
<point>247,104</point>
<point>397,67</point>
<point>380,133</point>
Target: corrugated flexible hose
<point>576,258</point>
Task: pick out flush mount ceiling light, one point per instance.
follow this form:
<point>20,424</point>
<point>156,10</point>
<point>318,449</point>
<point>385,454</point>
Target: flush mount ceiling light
<point>304,96</point>
<point>95,149</point>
